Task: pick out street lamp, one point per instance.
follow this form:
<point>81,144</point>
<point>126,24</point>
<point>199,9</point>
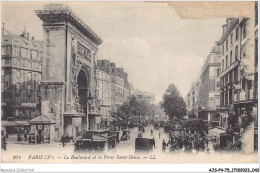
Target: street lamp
<point>88,107</point>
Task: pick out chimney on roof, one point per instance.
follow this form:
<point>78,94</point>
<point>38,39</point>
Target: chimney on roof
<point>224,27</point>
<point>229,22</point>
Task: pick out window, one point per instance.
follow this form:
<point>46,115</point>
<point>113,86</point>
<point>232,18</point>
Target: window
<point>236,75</point>
<point>19,74</point>
<point>222,64</point>
<point>223,49</point>
<point>40,77</point>
<point>231,38</point>
<point>40,56</point>
<point>231,57</point>
<point>6,50</point>
<point>23,53</point>
<point>28,53</point>
<point>40,67</point>
<point>30,65</point>
<point>34,54</point>
<point>226,61</point>
<point>236,53</point>
<point>29,76</point>
<point>237,32</point>
<point>227,44</point>
<point>19,63</point>
<point>244,32</point>
<point>16,51</point>
<point>29,87</point>
<point>218,72</point>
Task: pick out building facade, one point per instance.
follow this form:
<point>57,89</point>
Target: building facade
<point>22,58</point>
<point>119,87</point>
<point>104,90</point>
<point>209,93</point>
<point>68,87</point>
<point>239,75</point>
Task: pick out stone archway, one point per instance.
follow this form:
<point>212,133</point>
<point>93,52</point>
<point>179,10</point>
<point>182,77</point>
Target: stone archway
<point>83,87</point>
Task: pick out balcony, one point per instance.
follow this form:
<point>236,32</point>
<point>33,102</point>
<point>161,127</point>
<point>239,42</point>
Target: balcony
<point>244,96</point>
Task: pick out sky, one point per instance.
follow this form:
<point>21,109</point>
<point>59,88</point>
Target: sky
<point>149,40</point>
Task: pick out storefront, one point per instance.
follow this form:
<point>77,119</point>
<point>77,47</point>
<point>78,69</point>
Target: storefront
<point>41,130</point>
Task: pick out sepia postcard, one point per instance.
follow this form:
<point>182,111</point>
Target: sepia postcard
<point>129,82</point>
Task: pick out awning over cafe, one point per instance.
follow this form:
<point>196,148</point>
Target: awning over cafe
<point>24,123</point>
<point>41,120</point>
<point>8,123</point>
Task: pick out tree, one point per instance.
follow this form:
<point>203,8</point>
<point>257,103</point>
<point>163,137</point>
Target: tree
<point>173,104</point>
<point>134,107</point>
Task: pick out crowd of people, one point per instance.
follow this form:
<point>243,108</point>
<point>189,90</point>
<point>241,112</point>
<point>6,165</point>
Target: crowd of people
<point>185,141</point>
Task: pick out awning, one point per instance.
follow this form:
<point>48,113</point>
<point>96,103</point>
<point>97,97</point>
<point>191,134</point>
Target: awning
<point>41,120</point>
<point>99,138</point>
<point>8,123</point>
<point>217,132</point>
<point>24,123</point>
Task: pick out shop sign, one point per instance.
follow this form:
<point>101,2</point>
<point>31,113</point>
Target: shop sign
<point>28,104</point>
<point>33,128</point>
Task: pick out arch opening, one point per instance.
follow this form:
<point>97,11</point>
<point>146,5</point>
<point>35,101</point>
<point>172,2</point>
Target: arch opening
<point>82,89</point>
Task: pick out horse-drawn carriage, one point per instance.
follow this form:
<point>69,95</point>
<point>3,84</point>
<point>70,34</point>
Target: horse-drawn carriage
<point>96,141</point>
<point>144,145</point>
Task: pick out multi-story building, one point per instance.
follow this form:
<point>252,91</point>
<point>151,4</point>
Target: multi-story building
<point>21,76</point>
<point>104,90</point>
<point>209,94</point>
<point>119,87</point>
<point>239,73</point>
<point>230,70</point>
<point>193,99</point>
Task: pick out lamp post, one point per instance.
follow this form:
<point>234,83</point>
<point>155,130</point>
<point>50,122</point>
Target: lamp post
<point>88,107</point>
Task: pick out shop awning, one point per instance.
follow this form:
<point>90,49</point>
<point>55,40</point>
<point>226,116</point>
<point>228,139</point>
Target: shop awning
<point>99,138</point>
<point>217,132</point>
<point>41,120</point>
<point>73,114</point>
<point>8,123</point>
<point>24,123</point>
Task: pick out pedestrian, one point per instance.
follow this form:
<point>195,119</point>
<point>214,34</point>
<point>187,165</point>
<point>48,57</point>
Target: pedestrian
<point>30,139</point>
<point>159,135</point>
<point>153,142</point>
<point>63,140</point>
<point>164,145</point>
<point>38,138</point>
<point>25,136</point>
<point>151,132</point>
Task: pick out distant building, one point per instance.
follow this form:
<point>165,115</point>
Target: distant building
<point>119,87</point>
<point>149,97</point>
<point>21,75</point>
<point>209,93</point>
